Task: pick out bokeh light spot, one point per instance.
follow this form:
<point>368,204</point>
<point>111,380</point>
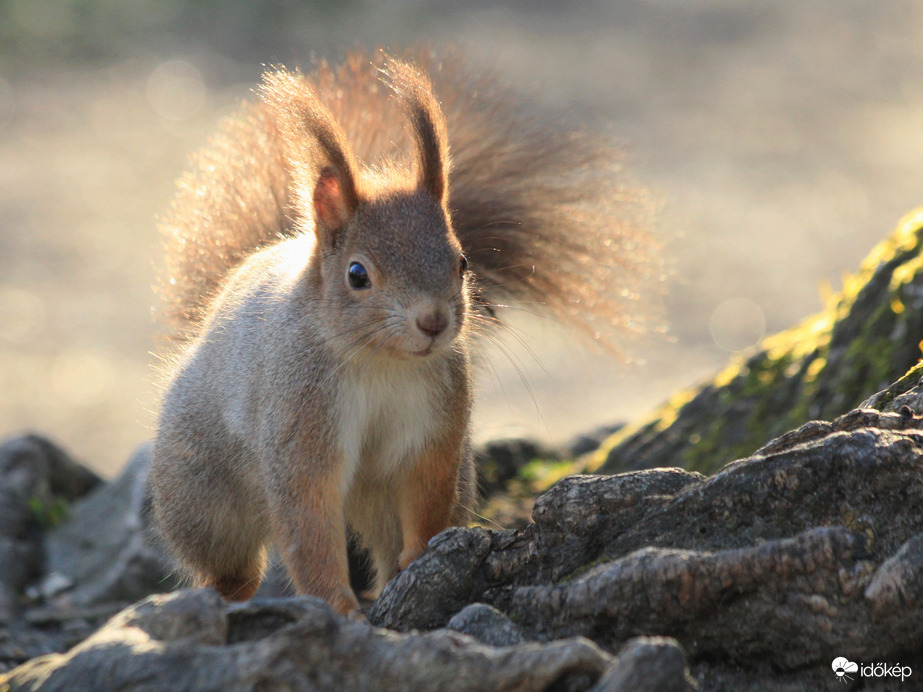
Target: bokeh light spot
<point>175,90</point>
<point>81,378</point>
<point>737,324</point>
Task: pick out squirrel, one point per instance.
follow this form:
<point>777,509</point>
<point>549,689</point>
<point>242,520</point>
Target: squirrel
<point>326,309</point>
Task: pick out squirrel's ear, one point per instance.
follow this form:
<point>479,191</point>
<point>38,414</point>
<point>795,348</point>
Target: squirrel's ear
<point>332,209</point>
<point>319,157</point>
<point>428,122</point>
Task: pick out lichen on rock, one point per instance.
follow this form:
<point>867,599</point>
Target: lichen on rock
<point>867,337</point>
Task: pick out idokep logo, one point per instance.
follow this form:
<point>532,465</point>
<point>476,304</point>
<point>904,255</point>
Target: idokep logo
<point>843,667</point>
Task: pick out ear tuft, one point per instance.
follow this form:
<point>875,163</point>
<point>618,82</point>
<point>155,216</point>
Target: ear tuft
<point>319,157</point>
<point>428,124</point>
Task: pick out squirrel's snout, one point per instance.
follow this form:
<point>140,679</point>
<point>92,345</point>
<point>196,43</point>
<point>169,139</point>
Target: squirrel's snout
<point>432,323</point>
<point>429,327</point>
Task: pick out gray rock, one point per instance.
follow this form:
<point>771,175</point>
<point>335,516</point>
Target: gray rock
<point>904,396</point>
<point>811,546</point>
<point>728,603</point>
<point>192,640</point>
<point>486,624</point>
<point>38,481</point>
<point>587,442</point>
<point>806,548</point>
<point>444,581</point>
<point>648,664</point>
<point>865,338</point>
<point>20,550</point>
<point>499,461</point>
<point>108,549</point>
<point>35,467</point>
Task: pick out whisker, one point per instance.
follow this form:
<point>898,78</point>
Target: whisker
<point>510,356</point>
<point>356,346</point>
<point>521,337</point>
<point>487,520</point>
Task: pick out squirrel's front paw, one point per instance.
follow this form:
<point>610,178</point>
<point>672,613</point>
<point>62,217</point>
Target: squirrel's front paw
<point>408,555</point>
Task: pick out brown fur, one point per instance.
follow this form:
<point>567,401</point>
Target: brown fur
<point>303,403</point>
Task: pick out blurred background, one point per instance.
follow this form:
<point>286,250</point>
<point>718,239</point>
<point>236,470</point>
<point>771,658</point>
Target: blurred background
<point>782,141</point>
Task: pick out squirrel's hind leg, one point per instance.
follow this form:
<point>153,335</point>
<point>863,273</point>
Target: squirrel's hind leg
<point>214,527</point>
<point>238,584</point>
<point>230,559</point>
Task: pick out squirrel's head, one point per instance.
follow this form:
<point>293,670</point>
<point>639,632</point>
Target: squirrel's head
<point>386,260</point>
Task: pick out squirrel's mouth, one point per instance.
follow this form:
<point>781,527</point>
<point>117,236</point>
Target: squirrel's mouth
<point>425,352</point>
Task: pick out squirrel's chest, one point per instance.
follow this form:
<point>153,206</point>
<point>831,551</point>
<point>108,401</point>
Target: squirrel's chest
<point>386,419</point>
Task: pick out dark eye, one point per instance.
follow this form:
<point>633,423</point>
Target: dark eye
<point>358,277</point>
<point>463,263</point>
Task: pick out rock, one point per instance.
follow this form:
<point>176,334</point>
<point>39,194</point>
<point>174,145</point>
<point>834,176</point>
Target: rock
<point>20,550</point>
<point>866,338</point>
<point>813,545</point>
<point>446,579</point>
<point>108,549</point>
<point>192,640</point>
<point>486,624</point>
<point>904,396</point>
<point>803,549</point>
<point>587,442</point>
<point>499,461</point>
<point>38,481</point>
<point>696,596</point>
<point>34,467</point>
<point>648,664</point>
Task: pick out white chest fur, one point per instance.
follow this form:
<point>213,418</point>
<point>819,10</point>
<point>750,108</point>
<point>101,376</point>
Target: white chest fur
<point>387,416</point>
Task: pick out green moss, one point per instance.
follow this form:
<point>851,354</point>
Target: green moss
<point>866,336</point>
<point>540,474</point>
<point>884,400</point>
<point>49,513</point>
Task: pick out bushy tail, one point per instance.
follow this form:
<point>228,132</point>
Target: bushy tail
<point>537,202</point>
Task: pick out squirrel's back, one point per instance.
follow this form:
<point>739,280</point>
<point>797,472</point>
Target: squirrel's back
<point>537,203</point>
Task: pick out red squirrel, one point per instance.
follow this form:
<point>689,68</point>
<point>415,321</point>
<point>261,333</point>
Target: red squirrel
<point>328,305</point>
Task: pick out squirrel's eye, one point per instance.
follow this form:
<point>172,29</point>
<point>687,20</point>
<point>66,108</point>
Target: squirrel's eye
<point>463,263</point>
<point>358,277</point>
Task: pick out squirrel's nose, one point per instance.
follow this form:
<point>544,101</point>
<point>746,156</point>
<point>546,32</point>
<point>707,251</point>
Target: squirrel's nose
<point>432,323</point>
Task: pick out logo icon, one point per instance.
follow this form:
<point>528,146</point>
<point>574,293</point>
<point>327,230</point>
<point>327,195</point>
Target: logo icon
<point>841,666</point>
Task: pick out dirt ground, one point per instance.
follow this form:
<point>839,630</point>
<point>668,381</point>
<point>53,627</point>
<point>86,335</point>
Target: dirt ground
<point>782,139</point>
